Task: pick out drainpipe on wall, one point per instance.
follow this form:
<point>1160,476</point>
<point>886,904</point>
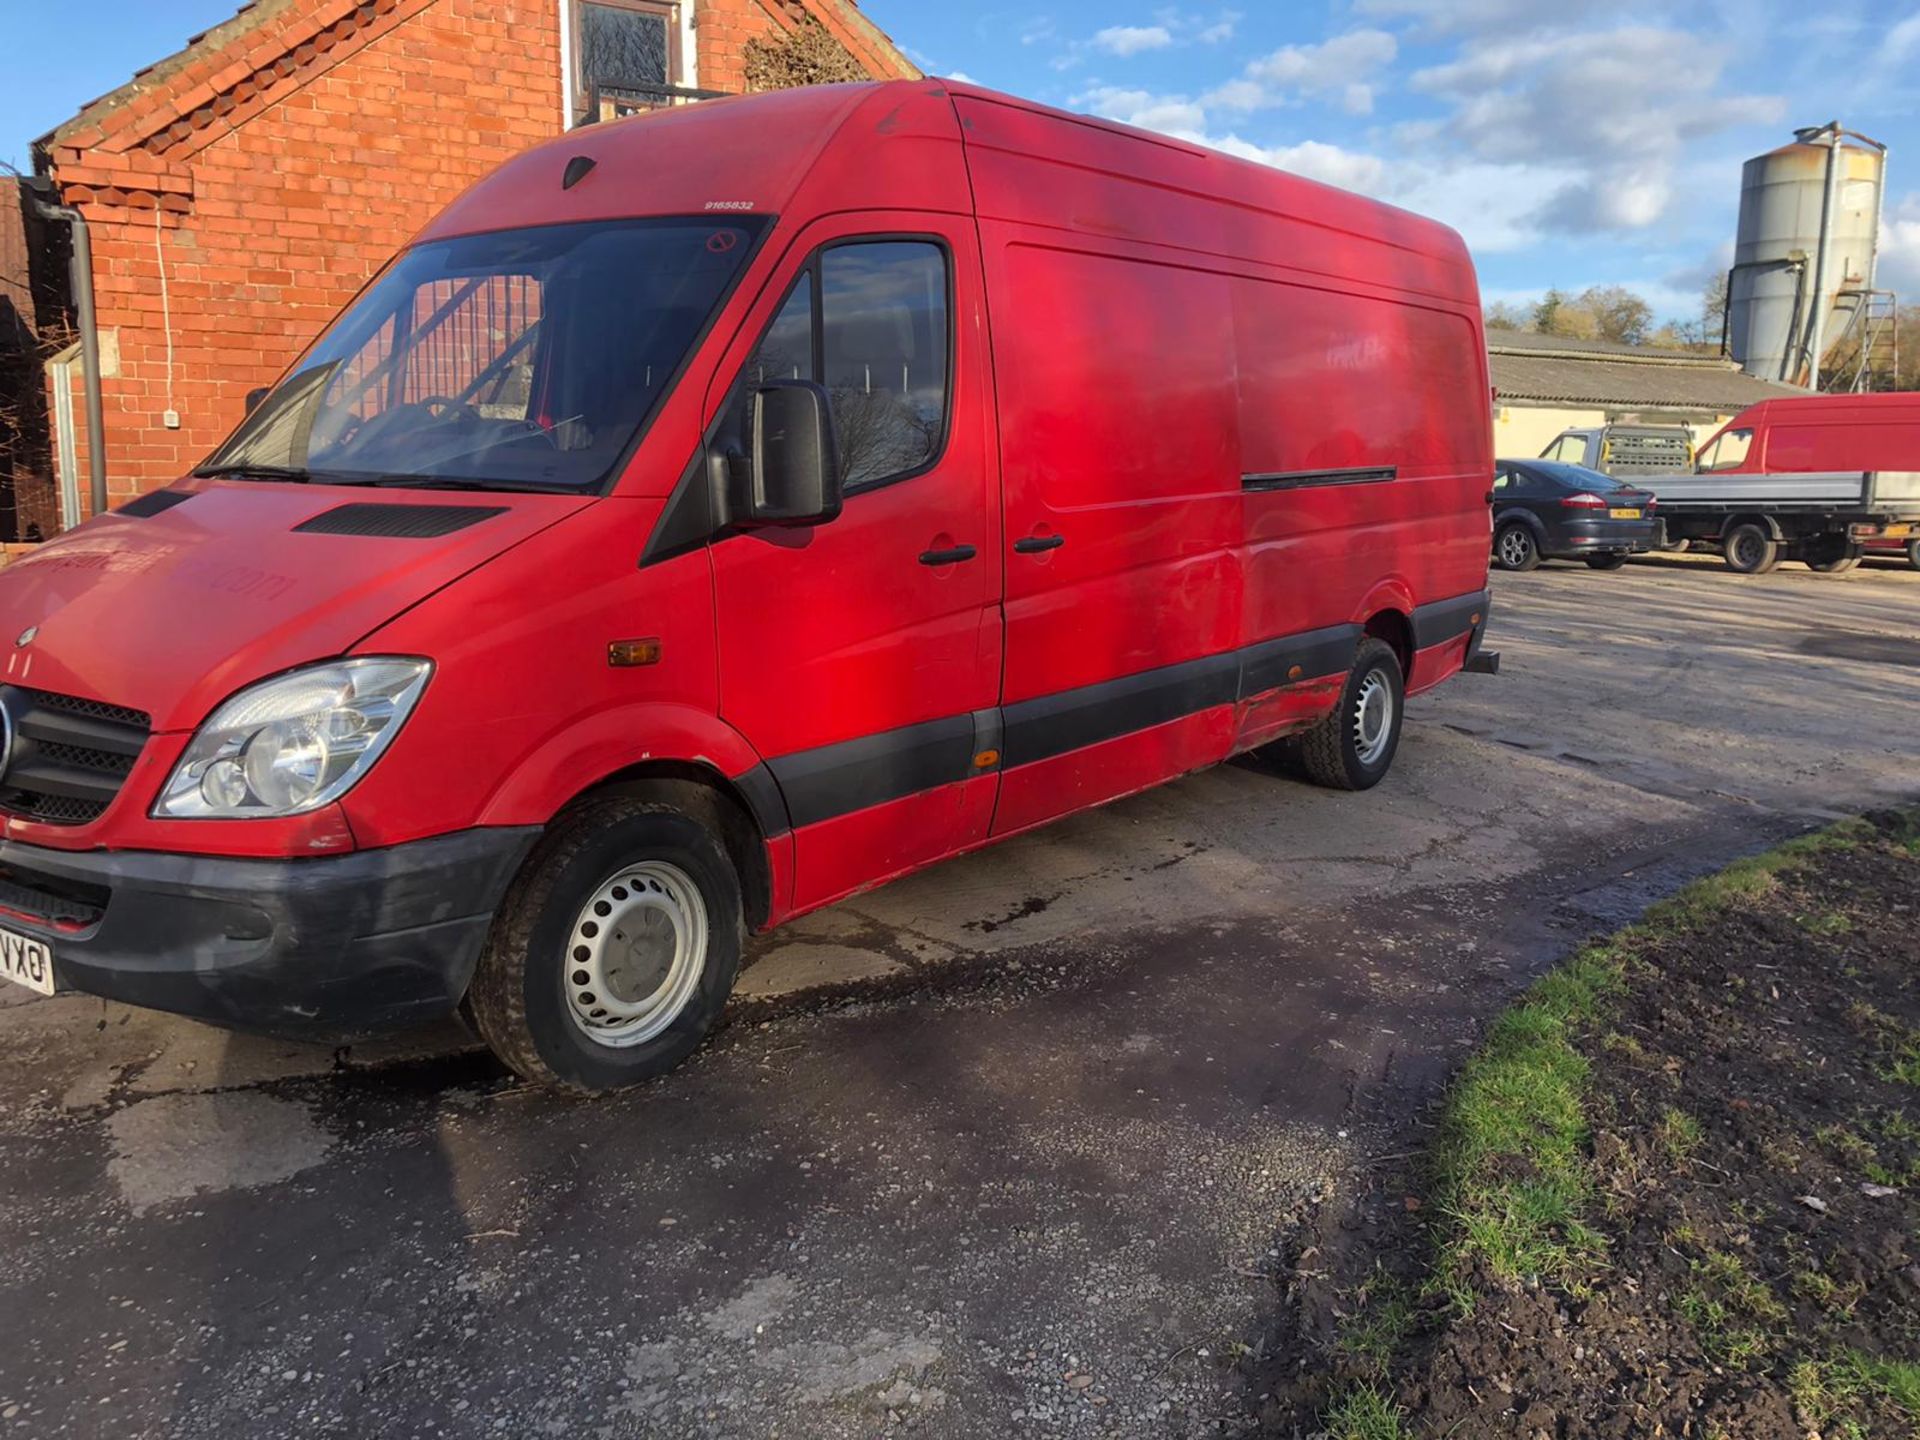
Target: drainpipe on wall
<point>60,373</point>
<point>80,278</point>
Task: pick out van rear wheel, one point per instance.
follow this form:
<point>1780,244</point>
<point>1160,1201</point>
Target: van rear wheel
<point>1833,557</point>
<point>614,950</point>
<point>1353,748</point>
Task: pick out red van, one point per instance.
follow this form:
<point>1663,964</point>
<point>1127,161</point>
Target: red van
<point>717,513</point>
<point>1825,433</point>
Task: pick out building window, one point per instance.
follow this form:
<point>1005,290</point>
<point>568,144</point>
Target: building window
<point>626,56</point>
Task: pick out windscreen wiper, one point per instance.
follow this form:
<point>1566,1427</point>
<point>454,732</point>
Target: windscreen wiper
<point>254,472</point>
<point>454,482</point>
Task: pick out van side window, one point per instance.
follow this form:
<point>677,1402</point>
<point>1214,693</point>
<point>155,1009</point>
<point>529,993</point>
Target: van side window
<point>884,352</point>
<point>868,320</point>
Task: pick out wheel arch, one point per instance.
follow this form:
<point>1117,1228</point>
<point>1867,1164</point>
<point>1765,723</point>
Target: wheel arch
<point>1518,515</point>
<point>726,806</point>
<point>704,762</point>
<point>1765,521</point>
<point>1395,627</point>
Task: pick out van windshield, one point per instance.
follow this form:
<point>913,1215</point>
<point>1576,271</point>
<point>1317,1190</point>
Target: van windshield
<point>518,359</point>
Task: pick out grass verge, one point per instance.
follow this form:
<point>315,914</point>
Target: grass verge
<point>1512,1178</point>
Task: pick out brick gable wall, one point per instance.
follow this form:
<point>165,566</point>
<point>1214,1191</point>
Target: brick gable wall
<point>275,181</point>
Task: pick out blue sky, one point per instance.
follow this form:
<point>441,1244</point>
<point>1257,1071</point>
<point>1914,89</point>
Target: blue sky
<point>1573,142</point>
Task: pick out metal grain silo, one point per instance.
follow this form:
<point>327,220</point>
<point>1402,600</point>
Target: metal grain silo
<point>1804,253</point>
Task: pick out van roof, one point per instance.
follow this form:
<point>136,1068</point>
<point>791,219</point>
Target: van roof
<point>1834,409</point>
<point>899,145</point>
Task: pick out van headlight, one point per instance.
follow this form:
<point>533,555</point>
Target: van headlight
<point>293,743</point>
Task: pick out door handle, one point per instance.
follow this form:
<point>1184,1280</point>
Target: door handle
<point>952,556</point>
<point>1034,544</point>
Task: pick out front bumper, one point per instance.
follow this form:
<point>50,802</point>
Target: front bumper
<point>322,947</point>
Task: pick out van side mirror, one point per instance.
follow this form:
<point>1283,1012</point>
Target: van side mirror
<point>793,475</point>
<point>255,396</point>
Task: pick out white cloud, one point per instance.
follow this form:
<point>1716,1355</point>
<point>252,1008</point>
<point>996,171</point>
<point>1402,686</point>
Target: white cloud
<point>1456,17</point>
<point>1603,102</point>
<point>1174,115</point>
<point>1343,68</point>
<point>1901,42</point>
<point>1899,263</point>
<point>1132,39</point>
<point>1220,30</point>
<point>1535,131</point>
<point>1476,198</point>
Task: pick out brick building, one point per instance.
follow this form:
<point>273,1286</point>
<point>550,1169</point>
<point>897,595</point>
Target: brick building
<point>238,192</point>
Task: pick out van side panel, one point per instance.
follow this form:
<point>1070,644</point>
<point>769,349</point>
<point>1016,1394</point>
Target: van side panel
<point>1362,454</point>
<point>1247,407</point>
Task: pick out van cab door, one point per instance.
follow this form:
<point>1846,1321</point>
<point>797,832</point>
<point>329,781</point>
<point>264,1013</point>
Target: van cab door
<point>861,657</point>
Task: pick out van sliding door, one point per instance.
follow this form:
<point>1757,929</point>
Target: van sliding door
<point>1120,467</point>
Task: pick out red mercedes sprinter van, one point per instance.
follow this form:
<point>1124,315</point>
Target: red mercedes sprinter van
<point>716,513</point>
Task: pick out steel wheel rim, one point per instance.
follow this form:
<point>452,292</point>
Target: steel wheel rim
<point>635,954</point>
<point>1372,718</point>
<point>1746,548</point>
<point>1513,547</point>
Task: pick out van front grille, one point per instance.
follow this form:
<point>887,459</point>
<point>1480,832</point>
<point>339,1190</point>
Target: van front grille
<point>69,755</point>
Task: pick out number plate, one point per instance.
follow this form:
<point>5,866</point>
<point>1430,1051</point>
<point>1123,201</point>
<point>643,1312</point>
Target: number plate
<point>1627,514</point>
<point>27,961</point>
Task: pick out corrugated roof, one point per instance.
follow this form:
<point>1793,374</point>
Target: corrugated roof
<point>1556,369</point>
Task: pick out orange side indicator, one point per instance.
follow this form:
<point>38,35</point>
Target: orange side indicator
<point>1293,672</point>
<point>633,652</point>
<point>986,759</point>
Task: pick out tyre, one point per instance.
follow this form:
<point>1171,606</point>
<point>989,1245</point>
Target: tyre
<point>1749,549</point>
<point>1606,562</point>
<point>1833,558</point>
<point>1353,747</point>
<point>1913,553</point>
<point>615,948</point>
<point>1514,548</point>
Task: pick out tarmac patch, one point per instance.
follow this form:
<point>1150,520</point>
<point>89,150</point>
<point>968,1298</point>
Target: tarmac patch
<point>174,1147</point>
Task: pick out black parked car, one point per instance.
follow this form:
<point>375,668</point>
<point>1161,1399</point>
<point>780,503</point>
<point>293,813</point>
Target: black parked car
<point>1549,510</point>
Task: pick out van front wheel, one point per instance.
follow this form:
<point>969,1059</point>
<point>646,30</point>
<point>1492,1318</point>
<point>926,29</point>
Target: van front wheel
<point>1353,748</point>
<point>614,950</point>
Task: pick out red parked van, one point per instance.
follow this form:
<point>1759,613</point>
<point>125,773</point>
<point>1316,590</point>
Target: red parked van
<point>717,513</point>
<point>1825,433</point>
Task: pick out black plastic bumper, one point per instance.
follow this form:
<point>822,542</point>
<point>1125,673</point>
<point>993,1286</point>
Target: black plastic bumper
<point>327,947</point>
<point>1593,537</point>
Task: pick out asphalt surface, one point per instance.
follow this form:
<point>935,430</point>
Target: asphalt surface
<point>1007,1148</point>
